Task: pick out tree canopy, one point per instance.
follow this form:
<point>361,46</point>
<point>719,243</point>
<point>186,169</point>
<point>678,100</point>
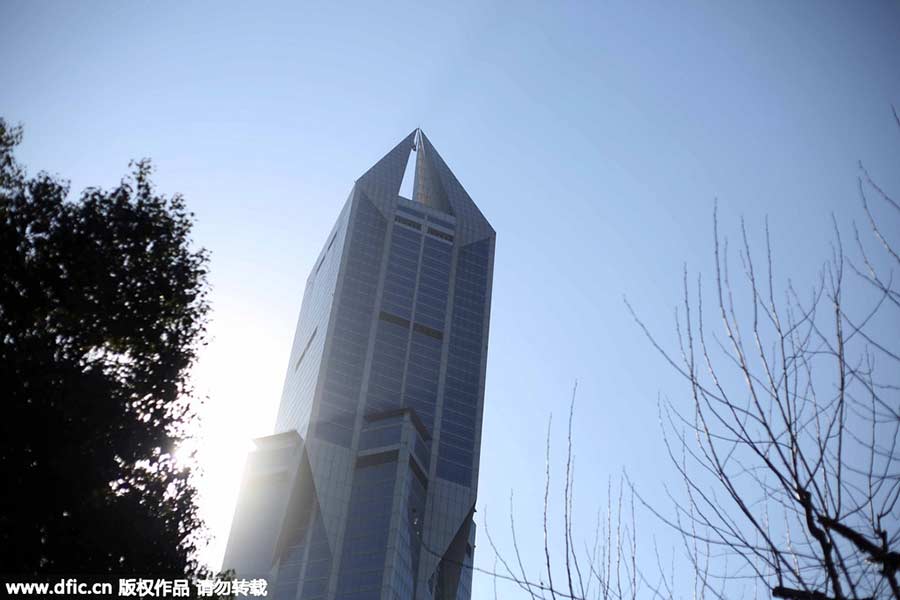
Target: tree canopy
<point>102,311</point>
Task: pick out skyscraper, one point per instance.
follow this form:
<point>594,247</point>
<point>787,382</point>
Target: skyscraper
<point>367,488</point>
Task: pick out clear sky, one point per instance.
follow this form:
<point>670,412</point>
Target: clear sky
<point>594,137</point>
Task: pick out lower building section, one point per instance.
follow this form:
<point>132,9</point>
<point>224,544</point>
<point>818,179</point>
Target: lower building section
<point>386,516</point>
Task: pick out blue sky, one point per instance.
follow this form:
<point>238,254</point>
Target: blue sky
<point>595,138</point>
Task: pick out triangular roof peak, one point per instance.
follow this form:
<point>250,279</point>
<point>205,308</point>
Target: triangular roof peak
<point>435,185</point>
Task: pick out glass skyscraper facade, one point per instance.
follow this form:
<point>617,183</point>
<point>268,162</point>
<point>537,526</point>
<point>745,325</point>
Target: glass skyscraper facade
<point>366,490</point>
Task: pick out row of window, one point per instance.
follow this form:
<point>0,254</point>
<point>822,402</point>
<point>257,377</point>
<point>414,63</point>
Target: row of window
<point>422,215</point>
<point>408,222</point>
<point>419,328</point>
<point>447,237</point>
<point>440,234</point>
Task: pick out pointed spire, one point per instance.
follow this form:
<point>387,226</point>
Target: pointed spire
<point>442,189</point>
<point>382,182</point>
<point>435,186</point>
<point>427,188</point>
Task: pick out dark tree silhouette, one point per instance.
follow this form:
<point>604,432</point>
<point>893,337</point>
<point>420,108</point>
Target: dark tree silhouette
<point>102,309</point>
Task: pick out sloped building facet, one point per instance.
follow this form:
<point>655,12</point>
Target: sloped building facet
<point>367,488</point>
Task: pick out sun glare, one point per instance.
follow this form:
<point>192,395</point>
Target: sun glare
<point>241,388</point>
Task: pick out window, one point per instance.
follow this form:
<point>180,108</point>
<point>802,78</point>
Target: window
<point>407,222</point>
<point>440,234</point>
<point>419,328</point>
<point>393,319</point>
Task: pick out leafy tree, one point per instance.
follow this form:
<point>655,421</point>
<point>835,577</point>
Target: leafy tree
<point>102,310</point>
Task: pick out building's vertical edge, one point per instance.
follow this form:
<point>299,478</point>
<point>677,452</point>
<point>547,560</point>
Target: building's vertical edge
<point>295,409</point>
<point>484,356</point>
